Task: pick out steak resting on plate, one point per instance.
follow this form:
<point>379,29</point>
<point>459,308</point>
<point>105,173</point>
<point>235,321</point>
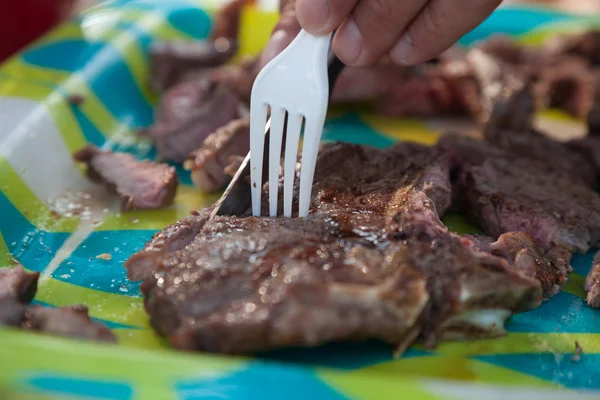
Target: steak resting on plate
<point>140,184</point>
<point>373,260</point>
<point>17,289</point>
<point>209,162</point>
<point>504,193</point>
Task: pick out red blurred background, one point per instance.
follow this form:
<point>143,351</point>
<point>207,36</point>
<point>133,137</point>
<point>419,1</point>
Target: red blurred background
<point>22,21</point>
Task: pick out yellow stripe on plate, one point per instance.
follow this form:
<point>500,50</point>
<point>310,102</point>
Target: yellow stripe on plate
<point>140,338</point>
<point>19,69</point>
<point>523,343</point>
<point>102,305</point>
<point>255,30</point>
<point>574,286</point>
<point>407,129</point>
<point>25,201</point>
<point>188,198</point>
<point>6,259</point>
<point>447,367</point>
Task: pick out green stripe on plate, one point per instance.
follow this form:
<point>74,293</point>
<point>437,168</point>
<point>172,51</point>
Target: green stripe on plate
<point>523,343</point>
<point>6,259</point>
<point>106,306</point>
<point>574,286</point>
<point>25,201</point>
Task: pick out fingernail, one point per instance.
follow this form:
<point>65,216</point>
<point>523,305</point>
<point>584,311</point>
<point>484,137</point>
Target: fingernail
<point>402,49</point>
<point>314,15</point>
<point>349,42</point>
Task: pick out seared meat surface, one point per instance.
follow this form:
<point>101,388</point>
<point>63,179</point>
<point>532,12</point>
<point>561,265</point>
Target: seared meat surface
<point>373,260</point>
<point>140,184</point>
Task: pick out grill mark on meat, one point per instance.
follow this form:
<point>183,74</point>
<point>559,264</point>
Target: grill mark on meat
<point>140,184</point>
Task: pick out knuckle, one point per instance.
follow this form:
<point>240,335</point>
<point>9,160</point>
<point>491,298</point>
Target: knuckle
<point>433,22</point>
<point>383,10</point>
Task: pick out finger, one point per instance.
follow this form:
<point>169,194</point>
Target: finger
<point>283,33</point>
<point>373,28</point>
<point>438,26</point>
<point>323,16</point>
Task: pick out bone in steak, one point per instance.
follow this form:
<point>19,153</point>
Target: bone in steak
<point>140,184</point>
<point>592,283</point>
<point>372,261</point>
<point>209,162</point>
<point>549,269</point>
<point>188,113</point>
<point>504,193</point>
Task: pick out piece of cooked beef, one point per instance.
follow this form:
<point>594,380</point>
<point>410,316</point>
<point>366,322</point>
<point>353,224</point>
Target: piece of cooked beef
<point>585,45</point>
<point>12,312</point>
<point>592,283</point>
<point>244,284</point>
<point>593,117</point>
<point>504,193</point>
<point>480,242</point>
<point>208,163</point>
<point>174,237</point>
<point>72,322</point>
<point>140,184</point>
<point>527,258</point>
<point>372,260</point>
<point>238,77</point>
<point>173,61</point>
<point>567,84</point>
<point>188,113</point>
<point>17,289</point>
<point>227,20</point>
<point>17,284</point>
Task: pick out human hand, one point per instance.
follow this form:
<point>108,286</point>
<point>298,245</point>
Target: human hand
<point>409,31</point>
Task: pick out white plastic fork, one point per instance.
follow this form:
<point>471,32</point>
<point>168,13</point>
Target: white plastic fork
<point>293,83</point>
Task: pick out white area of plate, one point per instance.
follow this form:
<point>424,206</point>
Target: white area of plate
<point>32,144</point>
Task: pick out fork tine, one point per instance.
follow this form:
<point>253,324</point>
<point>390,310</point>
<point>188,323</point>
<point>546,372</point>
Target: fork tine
<point>258,118</point>
<point>276,137</point>
<point>291,156</point>
<point>312,136</point>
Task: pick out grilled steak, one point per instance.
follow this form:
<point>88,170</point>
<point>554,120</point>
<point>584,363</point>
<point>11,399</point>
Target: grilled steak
<point>592,283</point>
<point>141,185</point>
<point>72,322</point>
<point>372,260</point>
<point>171,62</point>
<point>504,193</point>
<point>173,238</point>
<point>208,163</point>
<point>188,113</point>
<point>244,284</point>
